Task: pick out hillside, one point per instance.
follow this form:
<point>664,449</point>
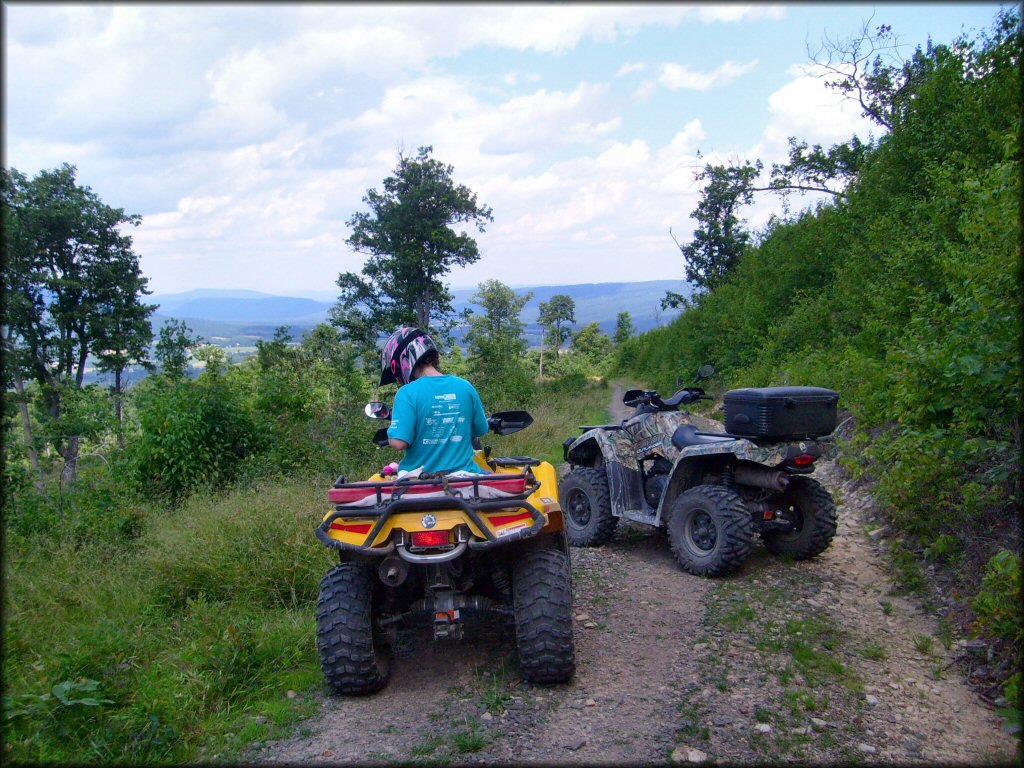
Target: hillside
<point>904,296</point>
<point>240,317</point>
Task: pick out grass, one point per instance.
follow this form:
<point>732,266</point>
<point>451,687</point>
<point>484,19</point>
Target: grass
<point>555,417</point>
<point>874,652</point>
<point>196,630</point>
<point>493,686</point>
<point>924,644</point>
<point>471,738</point>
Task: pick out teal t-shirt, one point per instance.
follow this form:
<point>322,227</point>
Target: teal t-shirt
<point>438,416</point>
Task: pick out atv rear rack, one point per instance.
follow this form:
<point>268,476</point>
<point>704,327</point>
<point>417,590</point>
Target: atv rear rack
<point>391,500</point>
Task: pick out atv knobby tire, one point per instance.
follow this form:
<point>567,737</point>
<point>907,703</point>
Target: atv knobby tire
<point>815,513</point>
<point>353,660</point>
<point>542,601</point>
<point>710,530</point>
<point>587,507</point>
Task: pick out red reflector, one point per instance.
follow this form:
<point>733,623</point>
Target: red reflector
<point>804,460</point>
<point>359,528</point>
<point>430,538</point>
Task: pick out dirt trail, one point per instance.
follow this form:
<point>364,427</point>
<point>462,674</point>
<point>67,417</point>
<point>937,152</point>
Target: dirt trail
<point>813,662</point>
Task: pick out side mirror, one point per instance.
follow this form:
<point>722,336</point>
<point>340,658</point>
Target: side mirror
<point>631,395</point>
<point>380,438</point>
<point>377,410</point>
<point>507,422</point>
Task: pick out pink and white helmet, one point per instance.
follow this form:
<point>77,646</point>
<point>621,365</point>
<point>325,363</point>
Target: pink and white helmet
<point>402,351</point>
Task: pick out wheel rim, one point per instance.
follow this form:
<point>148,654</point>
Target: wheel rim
<point>578,506</point>
<point>701,531</point>
<point>794,513</point>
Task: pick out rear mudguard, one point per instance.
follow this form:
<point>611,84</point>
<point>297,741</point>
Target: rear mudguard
<point>687,470</point>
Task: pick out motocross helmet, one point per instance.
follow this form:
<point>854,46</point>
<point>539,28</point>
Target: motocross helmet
<point>402,352</point>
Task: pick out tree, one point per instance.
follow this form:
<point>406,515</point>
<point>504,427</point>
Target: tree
<point>173,347</point>
<point>719,239</point>
<point>411,246</point>
<point>496,345</point>
<point>555,315</point>
<point>624,328</point>
<point>69,273</point>
<point>868,69</point>
<point>593,344</point>
<point>817,169</point>
<point>125,333</point>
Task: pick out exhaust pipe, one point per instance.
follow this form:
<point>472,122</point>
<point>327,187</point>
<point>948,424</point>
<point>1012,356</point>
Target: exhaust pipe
<point>769,479</point>
<point>393,571</point>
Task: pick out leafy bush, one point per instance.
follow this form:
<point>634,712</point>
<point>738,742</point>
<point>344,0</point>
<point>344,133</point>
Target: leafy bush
<point>998,604</point>
<point>193,434</point>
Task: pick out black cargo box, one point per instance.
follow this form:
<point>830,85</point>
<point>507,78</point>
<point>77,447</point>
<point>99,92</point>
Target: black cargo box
<point>781,413</point>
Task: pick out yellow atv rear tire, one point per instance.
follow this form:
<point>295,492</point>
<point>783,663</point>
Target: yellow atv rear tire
<point>354,658</point>
<point>542,600</point>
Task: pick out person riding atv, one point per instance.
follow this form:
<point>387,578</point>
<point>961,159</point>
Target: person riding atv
<point>712,491</point>
<point>436,416</point>
<point>443,540</point>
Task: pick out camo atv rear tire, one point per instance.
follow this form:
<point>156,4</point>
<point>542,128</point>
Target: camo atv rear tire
<point>814,510</point>
<point>710,530</point>
<point>587,507</point>
<point>542,602</point>
<point>355,660</point>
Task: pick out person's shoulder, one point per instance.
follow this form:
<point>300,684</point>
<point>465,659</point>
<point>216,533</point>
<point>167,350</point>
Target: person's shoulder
<point>465,383</point>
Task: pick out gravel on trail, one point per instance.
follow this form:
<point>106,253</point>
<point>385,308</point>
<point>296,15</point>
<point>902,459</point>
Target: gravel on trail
<point>815,661</point>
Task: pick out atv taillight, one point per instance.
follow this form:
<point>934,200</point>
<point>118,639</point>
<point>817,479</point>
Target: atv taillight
<point>430,538</point>
<point>804,460</point>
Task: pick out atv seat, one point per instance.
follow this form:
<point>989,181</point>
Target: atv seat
<point>688,435</point>
<point>515,461</point>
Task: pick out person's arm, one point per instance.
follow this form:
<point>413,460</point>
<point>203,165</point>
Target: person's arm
<point>480,425</point>
<point>403,423</point>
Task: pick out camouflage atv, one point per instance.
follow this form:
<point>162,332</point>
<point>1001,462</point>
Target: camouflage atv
<point>711,491</point>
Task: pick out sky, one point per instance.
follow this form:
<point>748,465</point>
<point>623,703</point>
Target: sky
<point>246,135</point>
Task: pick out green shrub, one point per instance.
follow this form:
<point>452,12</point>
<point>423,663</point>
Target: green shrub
<point>998,604</point>
<point>193,434</point>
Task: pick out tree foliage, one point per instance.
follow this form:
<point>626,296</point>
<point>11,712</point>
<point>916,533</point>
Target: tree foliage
<point>624,328</point>
<point>497,348</point>
<point>175,342</point>
<point>412,245</point>
<point>556,315</point>
<point>593,345</point>
<point>720,237</point>
<point>73,289</point>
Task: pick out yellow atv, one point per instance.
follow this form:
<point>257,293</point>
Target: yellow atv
<point>441,548</point>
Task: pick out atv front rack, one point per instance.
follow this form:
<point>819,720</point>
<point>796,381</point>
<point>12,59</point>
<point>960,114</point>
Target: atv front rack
<point>399,496</point>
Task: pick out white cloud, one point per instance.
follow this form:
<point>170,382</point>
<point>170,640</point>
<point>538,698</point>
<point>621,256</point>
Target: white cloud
<point>676,76</point>
<point>631,67</point>
<point>252,132</point>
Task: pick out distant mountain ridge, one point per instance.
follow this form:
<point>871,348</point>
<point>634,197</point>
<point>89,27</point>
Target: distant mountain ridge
<point>216,313</point>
